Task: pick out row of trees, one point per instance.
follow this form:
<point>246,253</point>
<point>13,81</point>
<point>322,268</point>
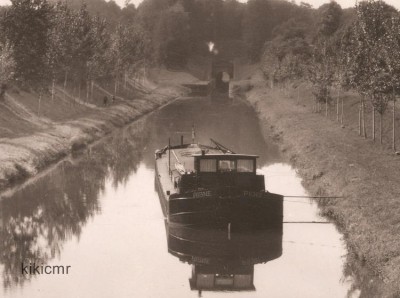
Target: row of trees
<point>354,48</point>
<point>45,43</point>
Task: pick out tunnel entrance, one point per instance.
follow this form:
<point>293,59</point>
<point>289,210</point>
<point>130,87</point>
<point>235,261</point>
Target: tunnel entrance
<point>222,74</point>
<point>222,81</point>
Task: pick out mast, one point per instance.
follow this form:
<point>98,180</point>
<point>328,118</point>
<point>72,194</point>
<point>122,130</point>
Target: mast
<point>169,156</point>
<point>193,133</point>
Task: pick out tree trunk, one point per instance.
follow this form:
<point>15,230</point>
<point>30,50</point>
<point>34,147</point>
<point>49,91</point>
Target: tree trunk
<point>359,120</point>
<point>394,124</point>
<point>125,79</point>
<point>65,83</point>
<point>337,105</point>
<point>373,124</point>
<point>363,120</point>
<point>342,115</point>
<point>326,106</point>
<point>380,127</point>
<point>87,90</point>
<point>79,89</point>
<point>40,99</point>
<point>52,90</point>
<point>91,90</point>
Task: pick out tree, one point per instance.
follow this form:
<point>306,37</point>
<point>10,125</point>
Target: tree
<point>391,51</point>
<point>83,44</point>
<point>171,37</point>
<point>330,17</point>
<point>321,71</point>
<point>367,68</point>
<point>320,74</point>
<point>257,26</point>
<point>7,66</point>
<point>59,53</point>
<point>26,25</point>
<point>129,48</point>
<point>286,55</point>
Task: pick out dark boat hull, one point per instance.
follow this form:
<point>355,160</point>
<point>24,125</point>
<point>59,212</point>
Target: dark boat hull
<point>222,207</point>
<point>258,212</point>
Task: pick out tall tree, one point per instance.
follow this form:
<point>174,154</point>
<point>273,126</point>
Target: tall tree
<point>257,26</point>
<point>26,26</point>
<point>391,52</point>
<point>368,69</point>
<point>171,37</point>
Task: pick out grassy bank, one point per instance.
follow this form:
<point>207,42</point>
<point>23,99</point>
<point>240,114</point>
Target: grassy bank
<point>34,135</point>
<point>333,160</point>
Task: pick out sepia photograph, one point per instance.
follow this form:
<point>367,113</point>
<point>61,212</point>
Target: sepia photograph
<point>199,148</point>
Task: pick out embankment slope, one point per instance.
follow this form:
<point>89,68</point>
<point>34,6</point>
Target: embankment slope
<point>334,161</point>
<point>32,142</point>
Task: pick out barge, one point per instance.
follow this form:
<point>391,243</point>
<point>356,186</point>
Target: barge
<point>200,184</point>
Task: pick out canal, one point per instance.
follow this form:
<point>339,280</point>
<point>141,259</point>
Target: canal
<point>98,213</point>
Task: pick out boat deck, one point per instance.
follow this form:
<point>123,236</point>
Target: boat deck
<point>165,180</point>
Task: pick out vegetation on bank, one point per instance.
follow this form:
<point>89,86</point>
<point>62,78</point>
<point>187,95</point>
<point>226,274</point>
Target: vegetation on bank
<point>25,156</point>
<point>341,164</point>
<point>72,44</point>
<point>357,50</point>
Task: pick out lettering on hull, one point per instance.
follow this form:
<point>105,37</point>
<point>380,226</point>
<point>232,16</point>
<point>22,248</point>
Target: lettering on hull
<point>202,194</point>
<point>253,194</point>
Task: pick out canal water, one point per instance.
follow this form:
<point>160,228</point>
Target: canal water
<point>98,212</point>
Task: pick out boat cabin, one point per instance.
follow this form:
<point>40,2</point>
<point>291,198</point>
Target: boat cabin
<point>225,163</point>
<point>196,168</point>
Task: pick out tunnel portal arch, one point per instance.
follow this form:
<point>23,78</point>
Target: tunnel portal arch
<point>222,71</point>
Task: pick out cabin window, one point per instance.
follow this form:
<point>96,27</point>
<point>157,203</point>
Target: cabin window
<point>208,165</point>
<point>242,281</point>
<point>245,165</point>
<point>226,165</point>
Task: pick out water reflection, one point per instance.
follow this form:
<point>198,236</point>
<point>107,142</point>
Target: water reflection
<point>220,260</point>
<point>37,220</point>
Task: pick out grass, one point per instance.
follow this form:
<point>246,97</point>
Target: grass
<point>31,138</point>
<point>333,160</point>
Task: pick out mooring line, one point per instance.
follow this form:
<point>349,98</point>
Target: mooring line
<point>306,222</point>
<point>314,197</point>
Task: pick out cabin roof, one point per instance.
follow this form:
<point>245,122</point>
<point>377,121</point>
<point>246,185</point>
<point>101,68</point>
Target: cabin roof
<point>183,156</point>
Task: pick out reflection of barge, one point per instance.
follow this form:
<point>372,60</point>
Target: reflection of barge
<point>203,184</point>
<point>222,261</point>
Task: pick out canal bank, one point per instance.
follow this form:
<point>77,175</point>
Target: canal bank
<point>102,210</point>
<point>334,161</point>
<point>24,157</point>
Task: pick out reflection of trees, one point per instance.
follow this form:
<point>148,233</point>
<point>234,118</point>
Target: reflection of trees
<point>125,151</point>
<point>38,219</point>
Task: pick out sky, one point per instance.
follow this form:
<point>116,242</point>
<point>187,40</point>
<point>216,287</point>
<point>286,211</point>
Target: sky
<point>314,3</point>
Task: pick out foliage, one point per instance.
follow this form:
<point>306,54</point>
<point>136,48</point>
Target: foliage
<point>7,64</point>
<point>369,72</point>
<point>26,25</point>
<point>285,56</point>
<point>320,73</point>
<point>170,37</point>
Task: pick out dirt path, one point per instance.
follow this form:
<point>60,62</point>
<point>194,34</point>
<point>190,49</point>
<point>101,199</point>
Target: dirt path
<point>335,161</point>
